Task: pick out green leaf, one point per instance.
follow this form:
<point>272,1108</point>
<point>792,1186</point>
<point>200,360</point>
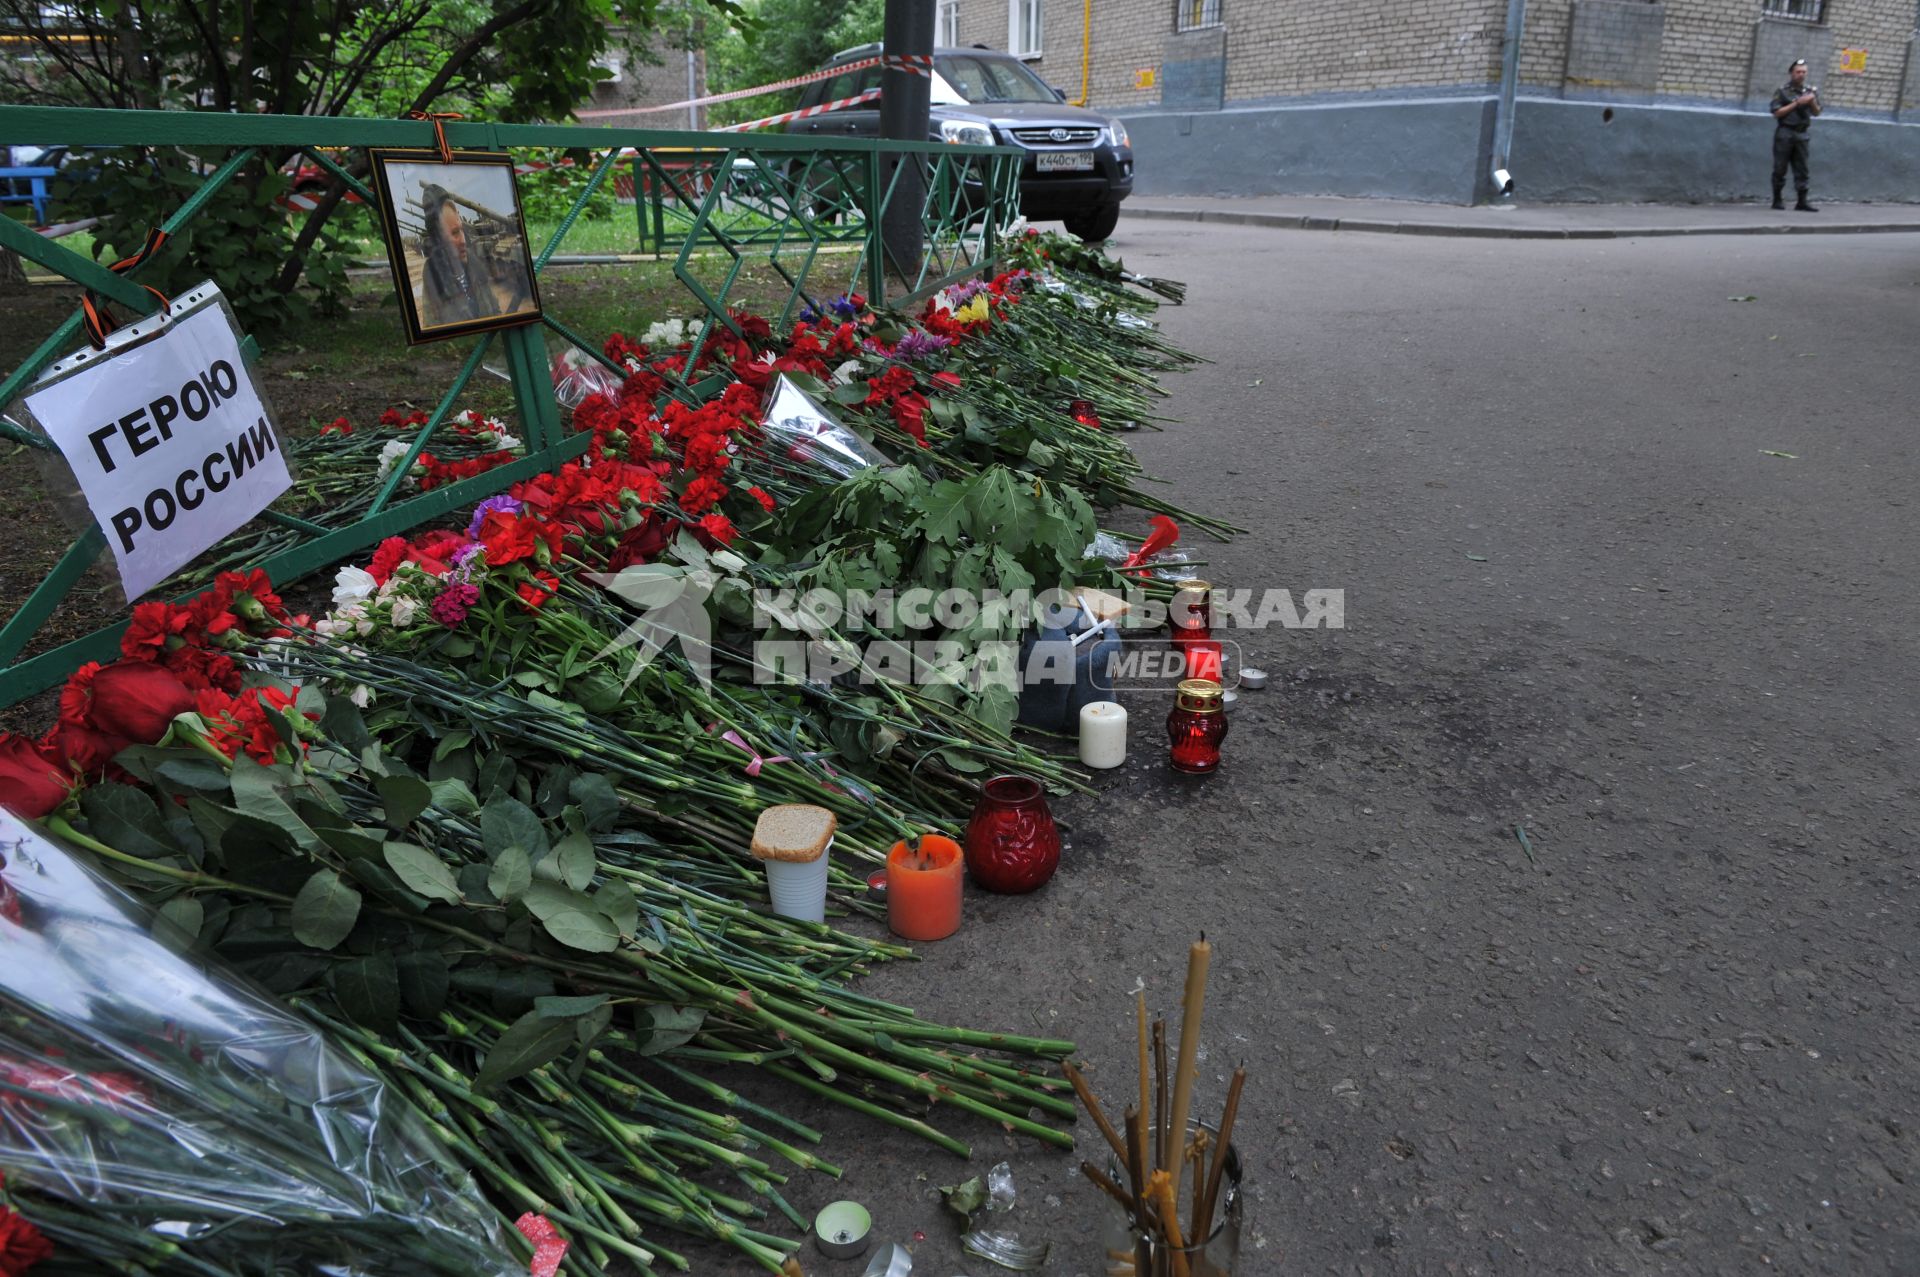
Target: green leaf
<point>184,915</point>
<point>570,1007</point>
<point>450,742</point>
<point>452,794</point>
<point>424,982</point>
<point>368,990</point>
<point>193,773</point>
<point>942,512</point>
<point>512,873</point>
<point>124,818</point>
<point>597,799</point>
<point>545,897</point>
<point>590,1026</point>
<point>422,871</point>
<point>507,822</point>
<point>404,798</point>
<point>575,857</point>
<point>616,900</point>
<point>325,910</point>
<point>585,929</point>
<point>669,1027</point>
<point>260,792</point>
<point>528,1043</point>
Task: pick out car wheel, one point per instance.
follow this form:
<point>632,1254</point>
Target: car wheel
<point>1094,226</point>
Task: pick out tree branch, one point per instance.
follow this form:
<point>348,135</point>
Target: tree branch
<point>473,45</point>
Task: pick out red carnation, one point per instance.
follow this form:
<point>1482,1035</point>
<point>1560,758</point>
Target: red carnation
<point>30,786</point>
<point>766,501</point>
<point>390,554</point>
<point>719,527</point>
<point>152,630</point>
<point>80,749</point>
<point>138,701</point>
<point>701,495</point>
<point>21,1244</point>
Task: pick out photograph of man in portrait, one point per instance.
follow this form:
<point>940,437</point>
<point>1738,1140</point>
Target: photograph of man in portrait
<point>456,242</point>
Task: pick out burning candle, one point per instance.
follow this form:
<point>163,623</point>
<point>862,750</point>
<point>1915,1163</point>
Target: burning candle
<point>1103,735</point>
<point>923,887</point>
<point>1083,411</point>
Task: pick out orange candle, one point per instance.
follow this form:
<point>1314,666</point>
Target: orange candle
<point>923,888</point>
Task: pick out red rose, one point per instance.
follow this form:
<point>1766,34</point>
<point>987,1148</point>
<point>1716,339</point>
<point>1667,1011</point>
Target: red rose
<point>138,701</point>
<point>21,1245</point>
<point>30,786</point>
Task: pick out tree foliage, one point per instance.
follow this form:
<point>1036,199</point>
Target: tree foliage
<point>494,59</point>
<point>771,40</point>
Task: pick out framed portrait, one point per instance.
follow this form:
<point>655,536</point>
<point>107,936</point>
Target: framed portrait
<point>456,241</point>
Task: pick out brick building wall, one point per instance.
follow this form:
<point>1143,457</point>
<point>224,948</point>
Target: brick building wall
<point>1707,49</point>
<point>1273,49</point>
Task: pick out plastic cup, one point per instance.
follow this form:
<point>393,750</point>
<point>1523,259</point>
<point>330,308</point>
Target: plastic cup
<point>798,888</point>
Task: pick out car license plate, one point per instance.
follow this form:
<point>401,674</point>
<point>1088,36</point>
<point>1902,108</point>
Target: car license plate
<point>1064,161</point>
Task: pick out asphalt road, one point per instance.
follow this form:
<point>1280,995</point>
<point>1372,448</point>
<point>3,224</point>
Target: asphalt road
<point>1583,600</point>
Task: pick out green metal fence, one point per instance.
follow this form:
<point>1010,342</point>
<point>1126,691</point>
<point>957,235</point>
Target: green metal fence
<point>811,212</point>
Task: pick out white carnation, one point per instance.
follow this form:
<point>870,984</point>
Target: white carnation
<point>353,585</point>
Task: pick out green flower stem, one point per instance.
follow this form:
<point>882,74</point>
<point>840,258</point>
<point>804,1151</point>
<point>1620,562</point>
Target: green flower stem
<point>893,1118</point>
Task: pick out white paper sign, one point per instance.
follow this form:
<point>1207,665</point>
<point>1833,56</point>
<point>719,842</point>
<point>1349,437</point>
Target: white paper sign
<point>170,444</point>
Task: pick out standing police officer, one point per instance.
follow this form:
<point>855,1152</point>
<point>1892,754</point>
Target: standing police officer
<point>1794,107</point>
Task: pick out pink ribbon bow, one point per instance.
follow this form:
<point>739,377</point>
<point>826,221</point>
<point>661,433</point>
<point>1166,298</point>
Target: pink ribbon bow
<point>755,760</point>
<point>549,1247</point>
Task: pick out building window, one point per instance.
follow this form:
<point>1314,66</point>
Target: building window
<point>948,32</point>
<point>1192,15</point>
<point>1023,28</point>
<point>1800,10</point>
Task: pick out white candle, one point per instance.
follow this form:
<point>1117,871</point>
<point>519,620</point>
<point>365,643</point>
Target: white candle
<point>1103,735</point>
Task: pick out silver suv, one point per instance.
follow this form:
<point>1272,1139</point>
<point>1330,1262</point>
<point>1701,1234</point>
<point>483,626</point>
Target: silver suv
<point>1079,163</point>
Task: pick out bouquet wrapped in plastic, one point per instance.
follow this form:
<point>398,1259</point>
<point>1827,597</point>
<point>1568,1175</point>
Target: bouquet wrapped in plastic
<point>810,436</point>
<point>158,1117</point>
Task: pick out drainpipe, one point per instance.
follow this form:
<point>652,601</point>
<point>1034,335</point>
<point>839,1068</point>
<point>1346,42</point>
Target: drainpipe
<point>1086,54</point>
<point>1509,84</point>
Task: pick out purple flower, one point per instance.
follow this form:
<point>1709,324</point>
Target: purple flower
<point>503,503</point>
<point>450,606</point>
<point>918,345</point>
<point>964,293</point>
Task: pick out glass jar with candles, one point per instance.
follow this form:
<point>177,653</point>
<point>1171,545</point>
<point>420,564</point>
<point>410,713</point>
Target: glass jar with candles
<point>1196,726</point>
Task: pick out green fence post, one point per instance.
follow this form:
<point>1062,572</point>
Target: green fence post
<point>532,378</point>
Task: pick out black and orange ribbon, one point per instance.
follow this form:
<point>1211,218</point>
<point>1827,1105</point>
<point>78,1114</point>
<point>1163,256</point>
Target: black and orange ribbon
<point>439,120</point>
<point>93,313</point>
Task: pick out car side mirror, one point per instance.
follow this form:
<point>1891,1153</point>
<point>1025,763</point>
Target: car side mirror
<point>1058,92</point>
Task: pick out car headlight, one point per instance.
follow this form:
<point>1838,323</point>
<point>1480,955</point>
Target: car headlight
<point>1117,133</point>
<point>965,133</point>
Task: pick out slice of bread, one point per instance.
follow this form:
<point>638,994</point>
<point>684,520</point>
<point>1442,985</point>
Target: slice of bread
<point>794,832</point>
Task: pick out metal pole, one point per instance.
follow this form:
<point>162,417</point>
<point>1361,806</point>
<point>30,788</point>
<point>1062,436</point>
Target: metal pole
<point>904,99</point>
<point>1501,179</point>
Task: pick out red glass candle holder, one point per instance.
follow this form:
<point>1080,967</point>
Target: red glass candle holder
<point>1196,727</point>
<point>1082,411</point>
<point>1013,845</point>
<point>1201,657</point>
<point>1191,613</point>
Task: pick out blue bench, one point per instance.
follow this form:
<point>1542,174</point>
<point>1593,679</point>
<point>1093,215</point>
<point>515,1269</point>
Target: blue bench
<point>35,182</point>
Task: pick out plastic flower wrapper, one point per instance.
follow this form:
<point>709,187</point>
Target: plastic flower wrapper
<point>577,374</point>
<point>795,424</point>
<point>159,1117</point>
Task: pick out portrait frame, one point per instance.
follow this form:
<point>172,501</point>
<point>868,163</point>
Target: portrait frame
<point>471,274</point>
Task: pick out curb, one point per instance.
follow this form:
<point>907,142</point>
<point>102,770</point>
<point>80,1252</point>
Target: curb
<point>1463,230</point>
